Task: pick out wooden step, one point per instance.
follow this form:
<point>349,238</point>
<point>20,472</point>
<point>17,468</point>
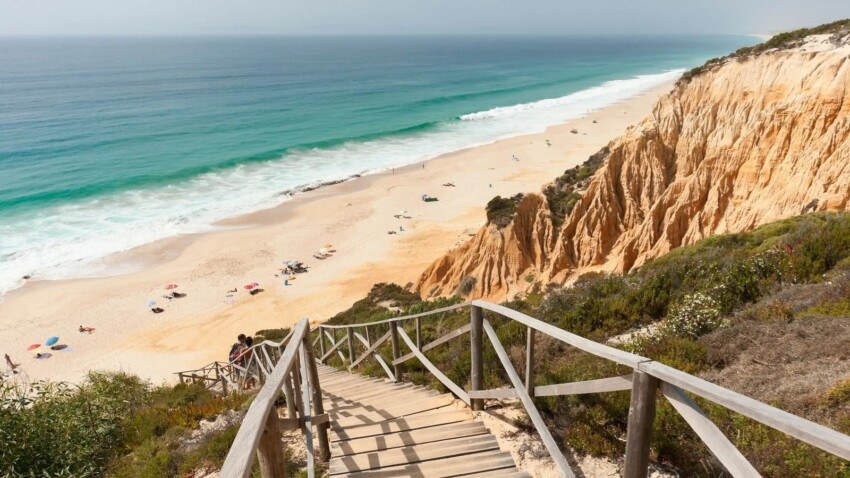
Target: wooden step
<point>364,416</point>
<point>423,420</point>
<point>380,401</point>
<point>413,454</point>
<point>410,438</point>
<point>365,393</point>
<point>448,467</point>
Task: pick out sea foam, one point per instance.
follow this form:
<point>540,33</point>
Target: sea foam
<point>73,240</point>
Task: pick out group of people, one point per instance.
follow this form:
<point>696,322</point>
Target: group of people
<point>240,355</point>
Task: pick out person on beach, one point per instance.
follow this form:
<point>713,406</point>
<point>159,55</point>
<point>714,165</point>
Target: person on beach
<point>86,330</point>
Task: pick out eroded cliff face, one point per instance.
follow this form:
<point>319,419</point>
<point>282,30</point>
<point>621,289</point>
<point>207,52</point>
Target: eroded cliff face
<point>750,141</point>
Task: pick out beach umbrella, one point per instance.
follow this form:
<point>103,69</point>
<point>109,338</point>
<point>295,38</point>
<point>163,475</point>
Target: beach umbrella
<point>51,341</point>
<point>150,303</point>
<point>323,250</point>
<point>249,286</point>
<point>33,347</point>
<point>171,286</point>
<point>329,246</point>
<point>424,196</point>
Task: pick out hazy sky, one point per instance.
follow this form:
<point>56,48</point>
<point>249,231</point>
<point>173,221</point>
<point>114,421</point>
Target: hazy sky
<point>205,17</point>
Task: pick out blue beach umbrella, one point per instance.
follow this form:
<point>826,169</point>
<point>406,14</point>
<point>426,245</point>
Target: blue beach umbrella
<point>51,341</point>
<point>150,303</point>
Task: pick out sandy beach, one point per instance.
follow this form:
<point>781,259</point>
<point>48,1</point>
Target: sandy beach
<point>354,216</point>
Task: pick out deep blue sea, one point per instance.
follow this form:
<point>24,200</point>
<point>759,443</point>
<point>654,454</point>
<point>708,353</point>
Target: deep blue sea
<point>110,143</point>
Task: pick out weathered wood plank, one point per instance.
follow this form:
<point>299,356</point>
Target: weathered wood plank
<point>241,455</point>
<point>424,420</point>
<point>371,417</point>
<point>332,350</point>
<point>369,351</point>
<point>639,428</point>
<point>414,454</point>
<point>459,392</point>
<point>714,439</point>
<point>528,403</point>
<point>399,408</point>
<point>493,393</point>
<point>456,466</point>
<point>430,345</point>
<point>406,439</point>
<point>613,384</point>
<point>378,358</point>
<point>581,343</point>
<point>817,435</point>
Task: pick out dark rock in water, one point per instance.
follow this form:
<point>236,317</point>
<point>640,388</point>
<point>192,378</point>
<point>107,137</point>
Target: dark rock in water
<point>27,277</point>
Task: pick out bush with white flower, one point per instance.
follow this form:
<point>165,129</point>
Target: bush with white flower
<point>697,314</point>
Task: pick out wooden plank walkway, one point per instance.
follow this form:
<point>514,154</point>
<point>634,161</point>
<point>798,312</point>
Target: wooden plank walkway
<point>382,430</point>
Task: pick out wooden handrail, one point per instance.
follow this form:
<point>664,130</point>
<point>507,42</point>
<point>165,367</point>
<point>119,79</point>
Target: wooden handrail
<point>260,423</point>
<point>647,377</point>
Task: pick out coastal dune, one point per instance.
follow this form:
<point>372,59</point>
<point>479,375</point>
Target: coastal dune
<point>354,216</point>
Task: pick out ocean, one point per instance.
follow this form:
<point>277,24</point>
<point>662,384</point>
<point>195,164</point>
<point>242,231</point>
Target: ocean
<point>111,143</point>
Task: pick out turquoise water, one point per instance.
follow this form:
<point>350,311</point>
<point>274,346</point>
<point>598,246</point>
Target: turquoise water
<point>107,144</point>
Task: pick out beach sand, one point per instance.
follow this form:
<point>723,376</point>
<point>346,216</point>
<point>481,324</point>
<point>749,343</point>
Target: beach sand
<point>353,216</point>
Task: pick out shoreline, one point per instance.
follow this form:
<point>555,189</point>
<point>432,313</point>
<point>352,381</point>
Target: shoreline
<point>354,214</point>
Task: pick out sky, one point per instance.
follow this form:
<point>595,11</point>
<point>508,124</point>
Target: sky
<point>389,17</point>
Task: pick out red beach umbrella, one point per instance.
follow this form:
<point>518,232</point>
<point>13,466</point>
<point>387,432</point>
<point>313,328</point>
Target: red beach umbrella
<point>171,286</point>
<point>33,347</point>
<point>250,286</point>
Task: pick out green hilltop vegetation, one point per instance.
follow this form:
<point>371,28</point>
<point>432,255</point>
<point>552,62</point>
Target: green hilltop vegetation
<point>780,41</point>
<point>779,295</point>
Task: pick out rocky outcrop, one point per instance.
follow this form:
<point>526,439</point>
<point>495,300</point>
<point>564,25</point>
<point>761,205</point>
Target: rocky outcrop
<point>748,141</point>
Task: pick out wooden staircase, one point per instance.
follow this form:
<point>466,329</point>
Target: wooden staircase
<point>383,429</point>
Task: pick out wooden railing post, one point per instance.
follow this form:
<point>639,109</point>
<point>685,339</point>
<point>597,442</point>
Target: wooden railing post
<point>296,384</point>
<point>368,339</point>
<point>418,334</point>
<point>270,452</point>
<point>396,350</point>
<point>476,322</point>
<point>641,417</point>
<point>321,341</point>
<point>350,344</point>
<point>222,377</point>
<point>318,407</point>
<point>290,396</point>
<point>529,362</point>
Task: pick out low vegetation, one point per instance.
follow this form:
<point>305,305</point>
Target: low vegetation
<point>112,424</point>
<point>762,313</point>
<point>792,39</point>
<point>500,211</point>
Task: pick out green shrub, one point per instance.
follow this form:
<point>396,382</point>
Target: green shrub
<point>500,211</point>
<point>565,192</point>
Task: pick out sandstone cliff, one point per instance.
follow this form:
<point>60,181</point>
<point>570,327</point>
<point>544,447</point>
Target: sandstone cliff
<point>750,139</point>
